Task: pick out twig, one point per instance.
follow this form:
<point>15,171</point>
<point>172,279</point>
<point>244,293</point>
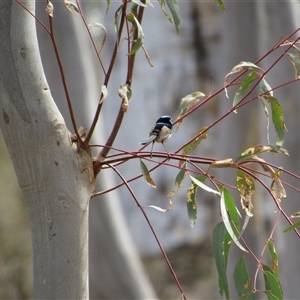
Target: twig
<point>97,161</point>
<point>152,229</point>
<point>90,35</point>
<point>37,19</point>
<point>62,74</point>
<point>107,77</point>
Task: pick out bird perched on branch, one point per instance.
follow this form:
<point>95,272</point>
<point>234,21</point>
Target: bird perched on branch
<point>160,132</point>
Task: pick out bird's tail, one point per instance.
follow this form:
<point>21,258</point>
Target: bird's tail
<point>149,140</point>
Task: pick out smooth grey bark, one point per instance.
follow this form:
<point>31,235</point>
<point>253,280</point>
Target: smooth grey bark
<point>115,269</point>
<point>56,178</point>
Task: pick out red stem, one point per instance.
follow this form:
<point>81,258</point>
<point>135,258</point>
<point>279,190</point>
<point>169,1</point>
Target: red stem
<point>62,74</point>
<point>152,229</point>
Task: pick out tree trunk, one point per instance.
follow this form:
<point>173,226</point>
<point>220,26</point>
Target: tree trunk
<point>115,269</point>
<point>55,176</point>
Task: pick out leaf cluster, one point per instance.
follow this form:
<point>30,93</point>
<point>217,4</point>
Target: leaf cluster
<point>247,177</point>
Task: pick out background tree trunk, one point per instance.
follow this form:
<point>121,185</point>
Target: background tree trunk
<point>56,178</point>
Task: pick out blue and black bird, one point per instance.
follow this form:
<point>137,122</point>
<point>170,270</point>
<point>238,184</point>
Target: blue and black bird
<point>160,132</point>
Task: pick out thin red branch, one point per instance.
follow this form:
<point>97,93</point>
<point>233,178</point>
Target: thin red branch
<point>37,19</point>
<point>63,78</point>
<point>106,80</point>
<point>232,82</point>
<point>90,35</point>
<point>131,59</point>
<point>152,229</point>
<point>270,193</point>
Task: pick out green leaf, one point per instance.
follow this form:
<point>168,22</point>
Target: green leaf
<point>274,257</point>
<point>203,186</point>
<point>220,4</point>
<point>242,281</point>
<point>146,174</point>
<point>268,119</point>
<point>272,284</point>
<point>248,152</point>
<point>270,295</point>
<point>202,134</point>
<point>277,118</point>
<point>188,102</point>
<point>140,35</point>
<point>107,6</point>
<point>191,204</point>
<point>191,200</point>
<point>265,87</point>
<point>140,3</point>
<point>279,149</point>
<point>292,227</point>
<point>174,9</point>
<point>246,188</point>
<point>295,60</point>
<point>162,5</point>
<point>221,245</point>
<point>231,208</point>
<point>266,268</point>
<point>116,22</point>
<point>134,9</point>
<point>244,87</point>
<point>179,180</point>
<point>230,216</point>
<point>242,66</point>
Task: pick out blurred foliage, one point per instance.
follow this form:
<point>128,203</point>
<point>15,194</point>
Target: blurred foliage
<point>15,237</point>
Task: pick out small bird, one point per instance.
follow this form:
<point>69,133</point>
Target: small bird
<point>160,132</point>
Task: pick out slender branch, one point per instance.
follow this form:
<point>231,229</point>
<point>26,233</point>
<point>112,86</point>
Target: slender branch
<point>152,229</point>
<point>232,82</point>
<point>273,89</point>
<point>276,202</point>
<point>238,105</point>
<point>107,77</point>
<point>205,161</point>
<point>62,74</point>
<point>37,19</point>
<point>97,161</point>
<point>90,35</point>
<point>131,58</point>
